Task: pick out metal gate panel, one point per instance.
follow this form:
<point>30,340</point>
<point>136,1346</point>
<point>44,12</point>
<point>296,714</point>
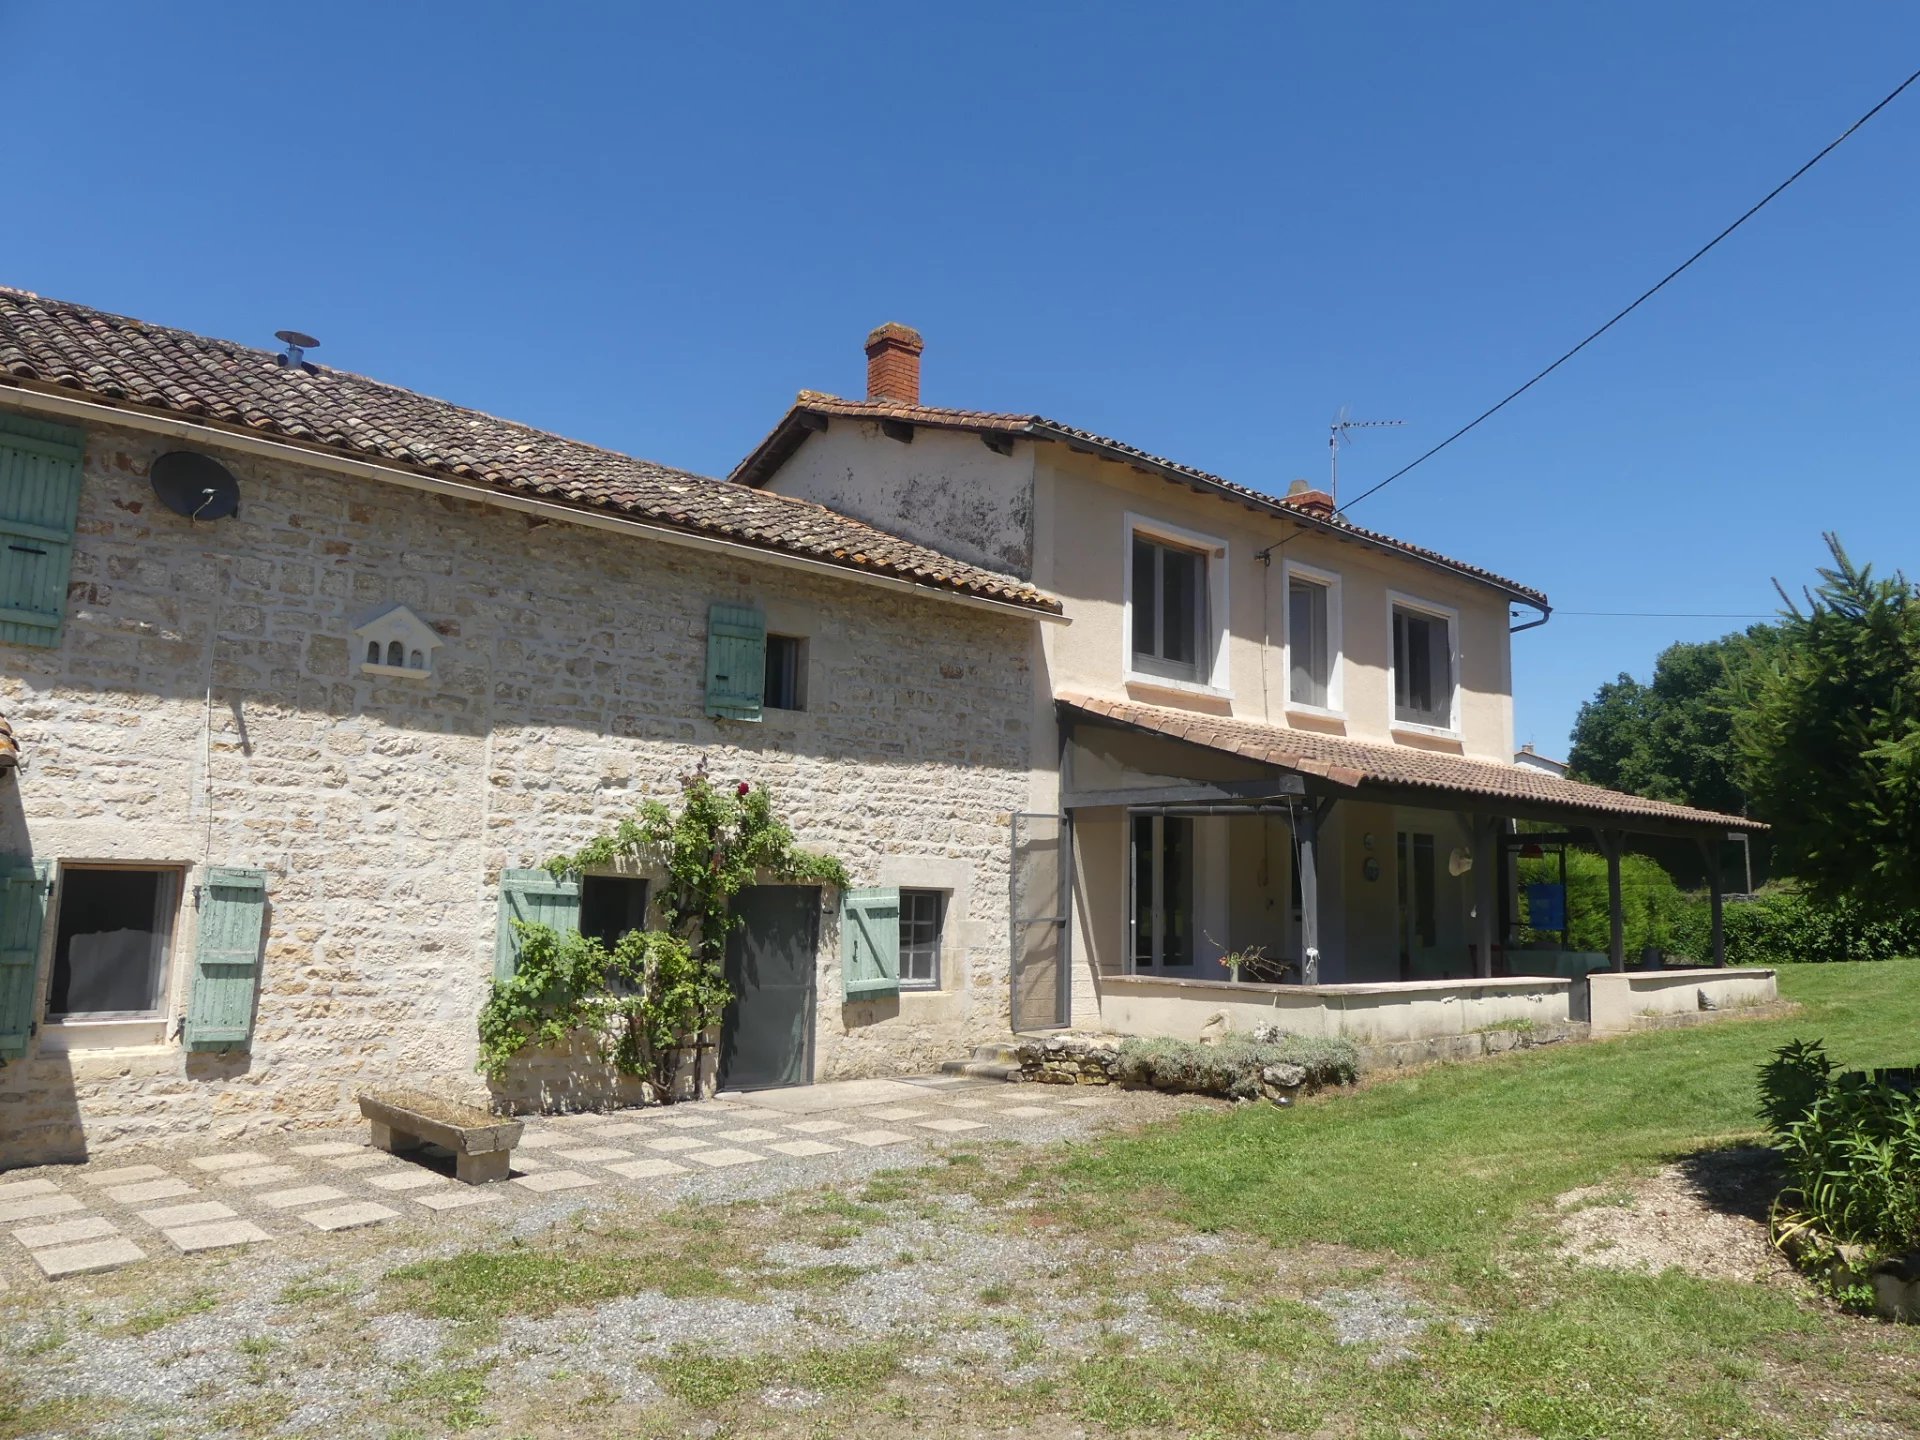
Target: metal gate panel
<point>1040,902</point>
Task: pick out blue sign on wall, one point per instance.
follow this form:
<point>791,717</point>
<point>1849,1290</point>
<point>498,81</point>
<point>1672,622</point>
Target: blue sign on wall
<point>1547,906</point>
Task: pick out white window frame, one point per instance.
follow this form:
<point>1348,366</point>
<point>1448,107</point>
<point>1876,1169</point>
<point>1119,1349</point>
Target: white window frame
<point>944,900</point>
<point>1215,552</point>
<point>113,1029</point>
<point>1398,601</point>
<point>1336,706</point>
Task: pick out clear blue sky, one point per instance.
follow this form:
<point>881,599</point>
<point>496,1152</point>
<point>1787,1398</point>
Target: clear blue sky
<point>1199,228</point>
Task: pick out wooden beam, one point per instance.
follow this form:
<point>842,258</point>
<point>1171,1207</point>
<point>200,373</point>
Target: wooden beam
<point>1276,788</point>
<point>897,430</point>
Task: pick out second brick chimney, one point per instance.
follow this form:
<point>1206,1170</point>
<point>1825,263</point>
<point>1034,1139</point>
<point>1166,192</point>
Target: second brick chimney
<point>893,364</point>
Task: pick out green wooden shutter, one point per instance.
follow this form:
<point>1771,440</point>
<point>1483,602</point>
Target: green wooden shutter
<point>39,507</point>
<point>23,913</point>
<point>870,943</point>
<point>535,898</point>
<point>736,661</point>
<point>226,970</point>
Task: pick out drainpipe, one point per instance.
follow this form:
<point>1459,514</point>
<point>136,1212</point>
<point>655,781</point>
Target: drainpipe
<point>1546,614</point>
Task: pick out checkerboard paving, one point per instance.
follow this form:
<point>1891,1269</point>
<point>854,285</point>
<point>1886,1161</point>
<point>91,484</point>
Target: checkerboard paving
<point>96,1217</point>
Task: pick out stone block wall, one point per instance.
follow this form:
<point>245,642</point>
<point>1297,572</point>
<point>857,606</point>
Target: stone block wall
<point>205,708</point>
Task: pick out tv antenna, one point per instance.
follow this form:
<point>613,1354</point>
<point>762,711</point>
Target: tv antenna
<point>1341,429</point>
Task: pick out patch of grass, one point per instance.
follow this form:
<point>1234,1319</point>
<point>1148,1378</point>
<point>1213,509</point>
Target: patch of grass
<point>456,1396</point>
<point>1515,1027</point>
<point>166,1312</point>
<point>999,1292</point>
<point>256,1415</point>
<point>837,1370</point>
<point>813,1277</point>
<point>314,1290</point>
<point>21,1418</point>
<point>703,1380</point>
<point>681,1261</point>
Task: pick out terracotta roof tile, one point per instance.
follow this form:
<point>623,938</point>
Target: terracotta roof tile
<point>127,362</point>
<point>786,437</point>
<point>1353,763</point>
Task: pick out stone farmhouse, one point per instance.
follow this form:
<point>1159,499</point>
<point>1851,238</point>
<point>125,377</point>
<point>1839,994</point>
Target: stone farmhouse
<point>272,778</point>
<point>1270,744</point>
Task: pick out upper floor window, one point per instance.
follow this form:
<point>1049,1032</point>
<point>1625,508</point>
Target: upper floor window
<point>1313,639</point>
<point>1424,674</point>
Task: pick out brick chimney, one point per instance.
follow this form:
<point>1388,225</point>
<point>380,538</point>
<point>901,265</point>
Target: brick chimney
<point>893,364</point>
<point>1306,497</point>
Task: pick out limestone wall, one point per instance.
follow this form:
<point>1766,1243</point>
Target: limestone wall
<point>204,709</point>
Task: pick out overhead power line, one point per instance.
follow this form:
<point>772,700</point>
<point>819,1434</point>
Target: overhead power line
<point>1665,614</point>
<point>1671,275</point>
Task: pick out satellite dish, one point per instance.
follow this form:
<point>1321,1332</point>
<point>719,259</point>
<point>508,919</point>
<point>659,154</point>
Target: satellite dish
<point>196,486</point>
<point>1460,861</point>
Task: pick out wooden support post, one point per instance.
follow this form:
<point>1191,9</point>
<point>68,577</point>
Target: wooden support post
<point>1307,821</point>
<point>1710,857</point>
<point>1611,844</point>
<point>1486,882</point>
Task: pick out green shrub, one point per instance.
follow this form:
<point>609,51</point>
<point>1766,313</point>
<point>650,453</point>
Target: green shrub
<point>1851,1145</point>
<point>1784,924</point>
<point>1232,1067</point>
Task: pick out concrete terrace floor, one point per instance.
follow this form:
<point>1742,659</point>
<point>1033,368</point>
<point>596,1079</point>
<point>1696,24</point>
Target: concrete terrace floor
<point>141,1206</point>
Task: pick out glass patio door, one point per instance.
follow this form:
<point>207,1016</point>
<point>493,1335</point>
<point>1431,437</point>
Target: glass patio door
<point>1160,873</point>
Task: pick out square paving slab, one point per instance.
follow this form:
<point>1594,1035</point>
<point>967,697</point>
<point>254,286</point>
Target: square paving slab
<point>722,1158</point>
<point>677,1142</point>
<point>456,1197</point>
<point>593,1154</point>
<point>259,1175</point>
<point>408,1180</point>
<point>216,1236</point>
<point>647,1169</point>
<point>150,1190</point>
<point>65,1232</point>
<point>348,1217</point>
<point>369,1160</point>
<point>688,1122</point>
<point>168,1217</point>
<point>321,1149</point>
<point>85,1259</point>
<point>550,1180</point>
<point>893,1112</point>
<point>747,1135</point>
<point>304,1195</point>
<point>805,1147</point>
<point>872,1138</point>
<point>125,1175</point>
<point>26,1189</point>
<point>1027,1112</point>
<point>818,1127</point>
<point>232,1160</point>
<point>38,1207</point>
<point>541,1139</point>
<point>949,1126</point>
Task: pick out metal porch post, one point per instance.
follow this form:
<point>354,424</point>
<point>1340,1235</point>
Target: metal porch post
<point>1307,833</point>
<point>1611,843</point>
<point>1710,857</point>
<point>1486,866</point>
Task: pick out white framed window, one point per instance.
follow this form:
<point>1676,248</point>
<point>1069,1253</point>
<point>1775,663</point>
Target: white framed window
<point>923,924</point>
<point>1314,649</point>
<point>1175,584</point>
<point>1161,881</point>
<point>1425,665</point>
<point>112,954</point>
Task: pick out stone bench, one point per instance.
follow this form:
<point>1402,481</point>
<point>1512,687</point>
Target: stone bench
<point>404,1120</point>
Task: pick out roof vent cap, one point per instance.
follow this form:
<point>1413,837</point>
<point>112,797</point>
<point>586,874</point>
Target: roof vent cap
<point>297,343</point>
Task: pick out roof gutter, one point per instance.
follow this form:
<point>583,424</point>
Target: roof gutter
<point>68,407</point>
<point>1546,614</point>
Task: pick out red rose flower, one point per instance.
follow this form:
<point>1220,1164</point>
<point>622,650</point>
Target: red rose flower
<point>743,788</point>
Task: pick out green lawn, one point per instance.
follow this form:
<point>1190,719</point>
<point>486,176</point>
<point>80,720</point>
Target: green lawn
<point>1440,1171</point>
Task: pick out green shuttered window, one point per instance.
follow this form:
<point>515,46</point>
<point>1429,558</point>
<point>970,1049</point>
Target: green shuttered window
<point>226,971</point>
<point>736,661</point>
<point>39,507</point>
<point>532,897</point>
<point>870,943</point>
<point>23,915</point>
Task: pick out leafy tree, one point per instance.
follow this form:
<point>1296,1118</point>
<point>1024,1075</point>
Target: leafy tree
<point>1672,739</point>
<point>1827,735</point>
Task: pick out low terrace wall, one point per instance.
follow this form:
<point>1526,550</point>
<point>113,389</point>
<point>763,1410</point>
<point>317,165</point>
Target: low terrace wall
<point>1365,1014</point>
<point>1619,1001</point>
